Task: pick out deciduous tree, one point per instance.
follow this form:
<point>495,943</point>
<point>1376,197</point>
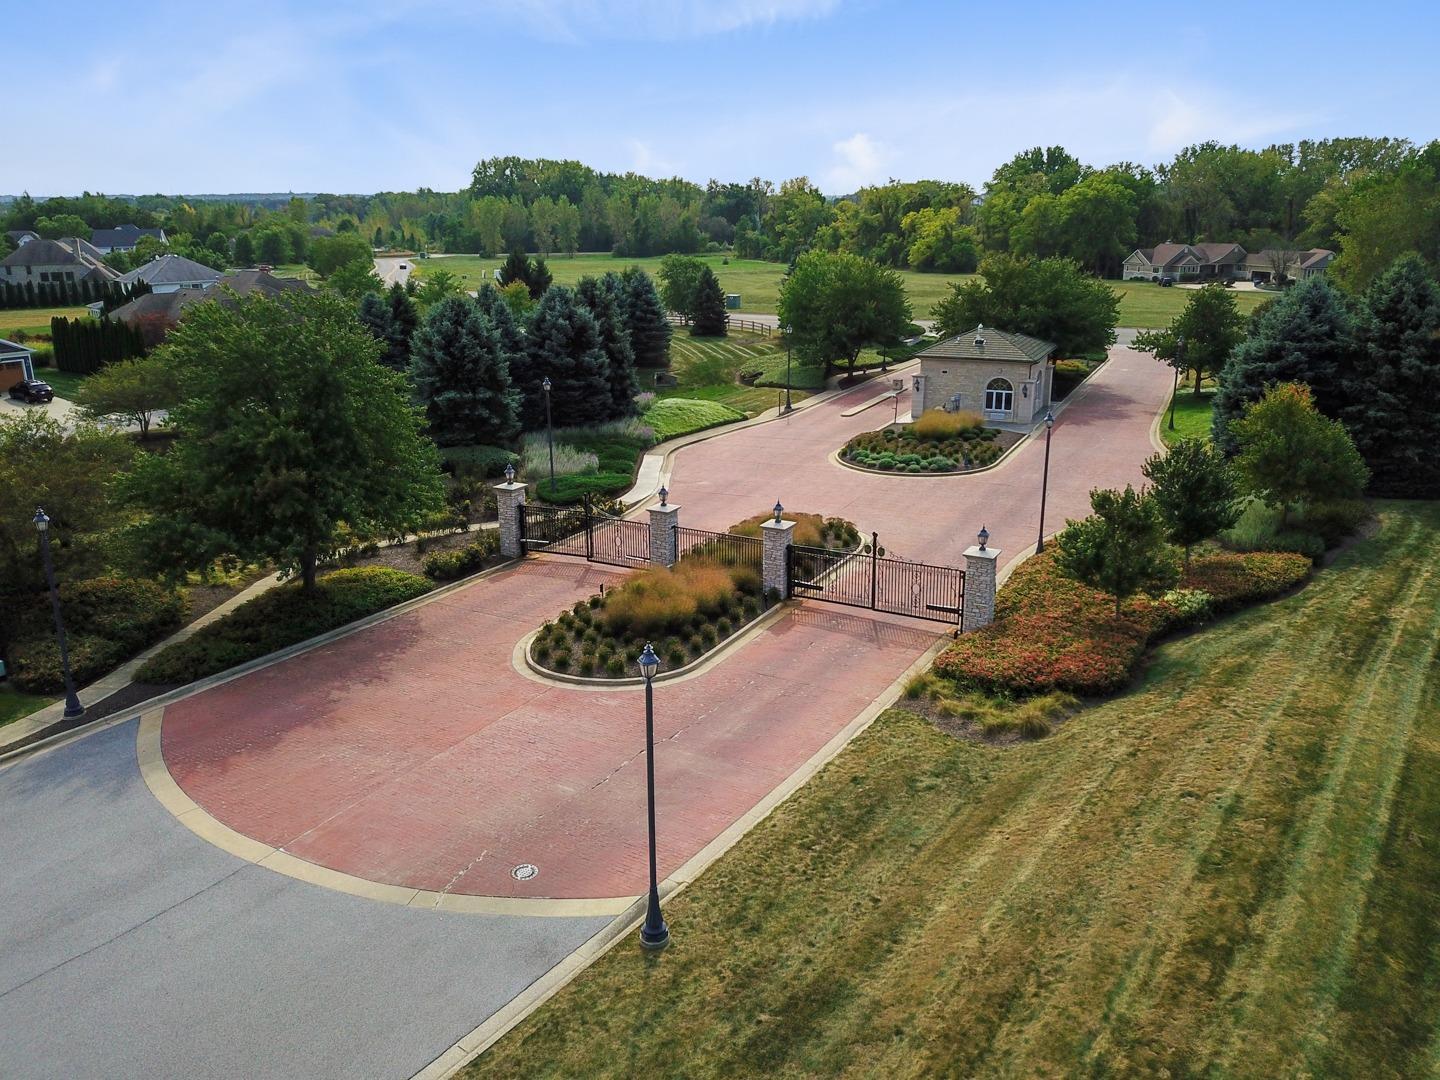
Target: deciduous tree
<point>292,436</point>
<point>1120,548</point>
<point>130,390</point>
<point>836,304</point>
<point>1196,492</point>
<point>1051,299</point>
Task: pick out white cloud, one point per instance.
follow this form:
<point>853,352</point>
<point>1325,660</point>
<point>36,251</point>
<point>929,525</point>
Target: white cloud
<point>632,20</point>
<point>861,161</point>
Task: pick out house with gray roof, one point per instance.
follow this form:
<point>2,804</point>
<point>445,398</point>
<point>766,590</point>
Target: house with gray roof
<point>16,364</point>
<point>1289,264</point>
<point>159,311</point>
<point>122,238</point>
<point>57,262</point>
<point>1005,376</point>
<point>171,273</point>
<point>1186,262</point>
<point>21,236</point>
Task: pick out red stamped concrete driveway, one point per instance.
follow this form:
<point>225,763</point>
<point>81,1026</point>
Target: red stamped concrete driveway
<point>413,753</point>
<point>1100,440</point>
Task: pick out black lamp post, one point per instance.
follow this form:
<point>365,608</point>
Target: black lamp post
<point>549,433</point>
<point>1175,388</point>
<point>786,331</point>
<point>1045,480</point>
<point>654,935</point>
<point>73,707</point>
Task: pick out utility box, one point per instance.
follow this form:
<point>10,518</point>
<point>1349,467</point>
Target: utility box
<point>732,301</point>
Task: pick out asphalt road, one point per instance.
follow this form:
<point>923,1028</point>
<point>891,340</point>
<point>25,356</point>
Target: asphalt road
<point>391,269</point>
<point>129,947</point>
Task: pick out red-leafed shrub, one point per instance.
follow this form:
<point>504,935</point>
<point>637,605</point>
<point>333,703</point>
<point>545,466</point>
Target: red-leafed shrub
<point>1052,633</point>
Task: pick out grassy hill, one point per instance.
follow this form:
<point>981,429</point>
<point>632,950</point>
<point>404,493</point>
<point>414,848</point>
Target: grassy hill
<point>1229,871</point>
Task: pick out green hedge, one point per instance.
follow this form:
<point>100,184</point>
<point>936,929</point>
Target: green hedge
<point>281,617</point>
<point>488,461</point>
<point>461,562</point>
<point>107,621</point>
<point>673,417</point>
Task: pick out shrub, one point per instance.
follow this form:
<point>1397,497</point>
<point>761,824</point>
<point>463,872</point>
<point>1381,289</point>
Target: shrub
<point>1334,521</point>
<point>711,586</point>
<point>811,530</point>
<point>649,603</point>
<point>675,656</point>
<point>1052,632</point>
<point>937,424</point>
<point>461,562</point>
<point>615,666</point>
<point>107,619</point>
<point>1191,606</point>
<point>281,617</point>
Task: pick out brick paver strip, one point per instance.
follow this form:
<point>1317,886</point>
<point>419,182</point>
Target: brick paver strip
<point>412,753</point>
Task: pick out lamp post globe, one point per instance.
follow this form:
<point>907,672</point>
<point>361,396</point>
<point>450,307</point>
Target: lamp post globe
<point>654,934</point>
<point>73,708</point>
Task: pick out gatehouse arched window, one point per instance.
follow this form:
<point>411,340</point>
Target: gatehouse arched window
<point>999,396</point>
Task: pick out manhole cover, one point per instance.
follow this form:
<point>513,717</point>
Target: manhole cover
<point>525,871</point>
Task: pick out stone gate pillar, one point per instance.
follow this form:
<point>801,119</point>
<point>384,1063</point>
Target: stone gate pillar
<point>776,554</point>
<point>664,545</point>
<point>509,498</point>
<point>980,564</point>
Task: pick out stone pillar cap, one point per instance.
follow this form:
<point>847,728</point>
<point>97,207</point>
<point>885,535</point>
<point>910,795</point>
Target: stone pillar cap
<point>771,523</point>
<point>666,509</point>
<point>976,552</point>
<point>509,485</point>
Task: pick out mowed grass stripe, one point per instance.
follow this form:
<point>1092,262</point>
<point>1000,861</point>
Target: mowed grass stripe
<point>1083,905</point>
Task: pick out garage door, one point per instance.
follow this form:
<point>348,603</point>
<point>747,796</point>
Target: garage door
<point>11,372</point>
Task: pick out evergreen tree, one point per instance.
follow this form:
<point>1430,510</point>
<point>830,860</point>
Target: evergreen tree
<point>604,298</point>
<point>515,268</point>
<point>1306,335</point>
<point>493,306</point>
<point>708,318</point>
<point>1391,413</point>
<point>462,376</point>
<point>649,328</point>
<point>405,315</point>
<point>376,315</point>
<point>563,343</point>
<point>540,278</point>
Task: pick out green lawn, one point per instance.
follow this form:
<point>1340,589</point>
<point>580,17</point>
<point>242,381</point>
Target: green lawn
<point>1192,417</point>
<point>1142,303</point>
<point>14,704</point>
<point>708,369</point>
<point>1228,871</point>
<point>64,383</point>
<point>35,320</point>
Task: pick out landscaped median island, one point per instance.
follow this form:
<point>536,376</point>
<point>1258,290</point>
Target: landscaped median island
<point>711,594</point>
<point>937,442</point>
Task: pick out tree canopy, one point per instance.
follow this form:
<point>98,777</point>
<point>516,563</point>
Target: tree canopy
<point>1051,299</point>
<point>1211,327</point>
<point>1120,548</point>
<point>563,342</point>
<point>461,369</point>
<point>1288,453</point>
<point>293,437</point>
<point>836,304</point>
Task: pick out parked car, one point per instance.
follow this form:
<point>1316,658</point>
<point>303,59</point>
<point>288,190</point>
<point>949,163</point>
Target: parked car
<point>1166,282</point>
<point>33,391</point>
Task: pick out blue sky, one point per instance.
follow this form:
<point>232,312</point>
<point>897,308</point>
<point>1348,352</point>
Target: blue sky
<point>364,96</point>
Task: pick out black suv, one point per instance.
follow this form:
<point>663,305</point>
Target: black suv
<point>32,390</point>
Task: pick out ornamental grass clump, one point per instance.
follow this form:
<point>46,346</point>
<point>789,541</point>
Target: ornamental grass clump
<point>937,424</point>
<point>651,602</point>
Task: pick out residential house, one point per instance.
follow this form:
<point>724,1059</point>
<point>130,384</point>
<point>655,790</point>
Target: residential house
<point>122,238</point>
<point>44,262</point>
<point>171,273</point>
<point>1295,265</point>
<point>21,236</point>
<point>1186,262</point>
<point>157,312</point>
<point>15,364</point>
<point>1005,376</point>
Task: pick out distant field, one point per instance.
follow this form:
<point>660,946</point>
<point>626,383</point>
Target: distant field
<point>1142,304</point>
<point>35,320</point>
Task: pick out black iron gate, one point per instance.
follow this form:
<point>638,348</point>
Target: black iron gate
<point>870,580</point>
<point>585,533</point>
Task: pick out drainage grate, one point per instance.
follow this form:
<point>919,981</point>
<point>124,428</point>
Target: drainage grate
<point>525,871</point>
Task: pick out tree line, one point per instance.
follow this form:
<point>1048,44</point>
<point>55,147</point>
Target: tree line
<point>46,294</point>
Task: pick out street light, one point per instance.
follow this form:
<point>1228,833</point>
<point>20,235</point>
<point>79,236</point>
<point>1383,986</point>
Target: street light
<point>1045,480</point>
<point>73,708</point>
<point>786,331</point>
<point>549,433</point>
<point>654,935</point>
<point>778,511</point>
<point>1175,388</point>
<point>983,535</point>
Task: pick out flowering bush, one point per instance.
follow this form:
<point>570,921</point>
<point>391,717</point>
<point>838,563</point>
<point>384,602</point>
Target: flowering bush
<point>954,448</point>
<point>1052,633</point>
